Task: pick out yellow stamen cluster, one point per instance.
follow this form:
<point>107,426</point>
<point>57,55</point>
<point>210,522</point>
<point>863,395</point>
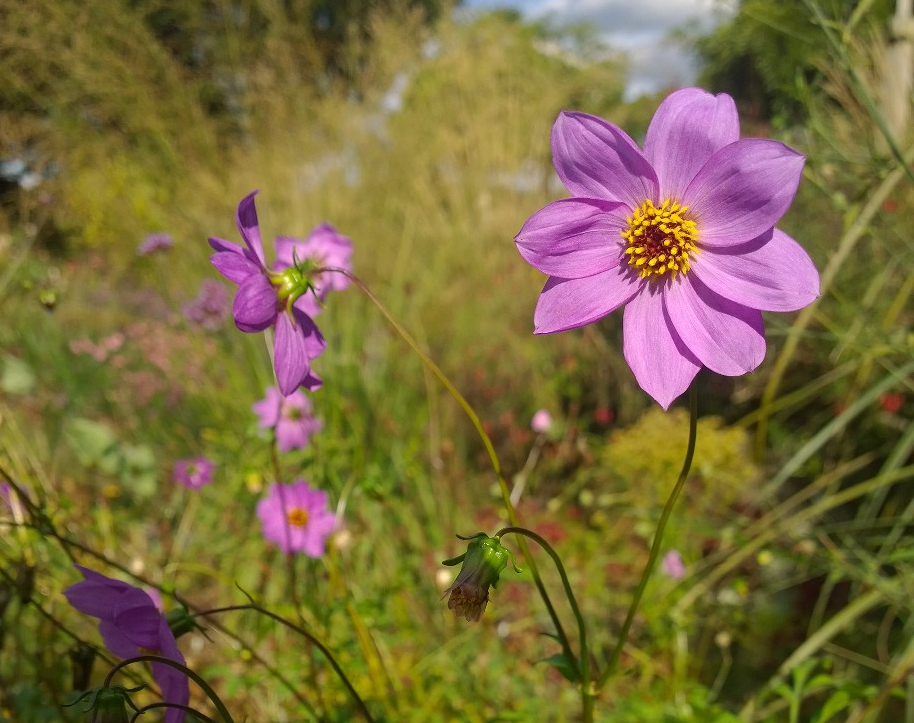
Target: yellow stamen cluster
<point>660,239</point>
<point>297,517</point>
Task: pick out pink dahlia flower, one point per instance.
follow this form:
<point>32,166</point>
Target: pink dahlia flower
<point>324,247</point>
<point>271,298</point>
<point>290,416</point>
<point>131,625</point>
<point>296,517</point>
<point>681,234</point>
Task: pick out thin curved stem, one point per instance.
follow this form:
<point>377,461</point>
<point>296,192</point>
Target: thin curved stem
<point>308,636</point>
<point>211,694</point>
<point>584,663</point>
<point>178,706</point>
<point>658,541</point>
<point>486,441</point>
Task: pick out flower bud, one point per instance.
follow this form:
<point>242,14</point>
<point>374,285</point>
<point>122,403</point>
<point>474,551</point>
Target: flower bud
<point>107,705</point>
<point>483,562</point>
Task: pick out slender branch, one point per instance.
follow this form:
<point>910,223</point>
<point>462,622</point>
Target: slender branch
<point>584,667</point>
<point>194,676</point>
<point>308,636</point>
<point>658,540</point>
<point>178,706</point>
<point>486,441</point>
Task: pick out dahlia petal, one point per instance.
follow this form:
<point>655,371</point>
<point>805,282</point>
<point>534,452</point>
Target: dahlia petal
<point>314,343</point>
<point>221,245</point>
<point>596,159</point>
<point>290,358</point>
<point>662,364</point>
<point>569,303</point>
<point>724,336</point>
<point>249,228</point>
<point>92,598</point>
<point>255,304</point>
<point>174,684</point>
<point>743,190</point>
<point>771,273</point>
<point>688,128</point>
<point>116,640</point>
<point>573,238</point>
<point>234,266</point>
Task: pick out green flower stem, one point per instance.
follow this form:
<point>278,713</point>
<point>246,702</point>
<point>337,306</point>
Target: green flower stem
<point>658,541</point>
<point>486,441</point>
<point>186,708</point>
<point>308,636</point>
<point>211,694</point>
<point>584,668</point>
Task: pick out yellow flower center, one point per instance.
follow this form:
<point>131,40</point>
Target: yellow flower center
<point>660,239</point>
<point>297,517</point>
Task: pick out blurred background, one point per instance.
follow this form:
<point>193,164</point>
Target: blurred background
<point>420,129</point>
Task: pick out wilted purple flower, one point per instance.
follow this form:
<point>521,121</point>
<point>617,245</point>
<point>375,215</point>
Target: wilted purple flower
<point>211,307</point>
<point>131,625</point>
<point>194,472</point>
<point>290,416</point>
<point>541,421</point>
<point>155,242</point>
<point>271,298</point>
<point>681,234</point>
<point>324,247</point>
<point>672,565</point>
<point>296,518</point>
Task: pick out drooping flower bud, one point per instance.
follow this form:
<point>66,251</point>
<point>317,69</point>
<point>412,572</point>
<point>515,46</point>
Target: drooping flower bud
<point>107,705</point>
<point>483,562</point>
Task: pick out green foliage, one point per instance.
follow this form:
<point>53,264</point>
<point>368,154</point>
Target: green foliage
<point>770,51</point>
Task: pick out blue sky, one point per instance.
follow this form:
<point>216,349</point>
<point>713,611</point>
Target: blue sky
<point>638,27</point>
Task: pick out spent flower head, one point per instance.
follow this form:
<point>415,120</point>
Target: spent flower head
<point>289,416</point>
<point>272,298</point>
<point>131,625</point>
<point>296,517</point>
<point>681,234</point>
<point>194,472</point>
<point>483,562</point>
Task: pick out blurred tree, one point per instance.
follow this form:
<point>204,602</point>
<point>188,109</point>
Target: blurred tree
<point>769,49</point>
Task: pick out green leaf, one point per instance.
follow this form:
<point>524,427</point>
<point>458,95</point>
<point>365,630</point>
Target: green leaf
<point>838,701</point>
<point>561,663</point>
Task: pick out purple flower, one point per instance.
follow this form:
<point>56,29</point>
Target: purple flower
<point>681,234</point>
<point>289,416</point>
<point>271,298</point>
<point>324,247</point>
<point>194,472</point>
<point>155,242</point>
<point>131,625</point>
<point>296,518</point>
<point>211,307</point>
<point>541,421</point>
<point>672,565</point>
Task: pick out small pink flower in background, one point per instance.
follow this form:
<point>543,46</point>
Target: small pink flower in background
<point>296,517</point>
<point>155,242</point>
<point>267,298</point>
<point>541,422</point>
<point>211,307</point>
<point>194,472</point>
<point>290,417</point>
<point>325,247</point>
<point>681,234</point>
<point>672,565</point>
<point>130,624</point>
